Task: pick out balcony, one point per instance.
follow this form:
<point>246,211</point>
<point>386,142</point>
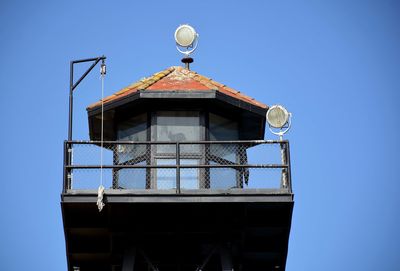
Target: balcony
<point>166,196</point>
<point>230,168</point>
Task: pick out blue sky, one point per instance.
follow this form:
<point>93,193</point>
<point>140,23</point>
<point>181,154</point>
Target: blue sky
<point>334,64</point>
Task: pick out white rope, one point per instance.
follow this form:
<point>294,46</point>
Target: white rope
<point>102,129</point>
<point>100,192</point>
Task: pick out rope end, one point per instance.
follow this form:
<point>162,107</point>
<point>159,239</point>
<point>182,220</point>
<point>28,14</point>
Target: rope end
<point>100,194</point>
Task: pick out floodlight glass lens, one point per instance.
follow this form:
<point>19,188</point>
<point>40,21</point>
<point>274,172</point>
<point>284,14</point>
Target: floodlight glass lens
<point>185,35</point>
<point>277,116</point>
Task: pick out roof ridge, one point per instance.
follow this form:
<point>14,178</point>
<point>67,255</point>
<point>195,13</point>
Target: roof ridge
<point>208,83</point>
<point>205,81</point>
<point>138,85</point>
<point>156,77</point>
<point>232,90</point>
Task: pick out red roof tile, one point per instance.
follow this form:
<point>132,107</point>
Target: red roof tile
<point>177,79</point>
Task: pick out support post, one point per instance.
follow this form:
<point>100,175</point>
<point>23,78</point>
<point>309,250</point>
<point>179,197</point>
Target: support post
<point>284,183</point>
<point>289,171</point>
<point>67,162</point>
<point>65,172</point>
<point>128,263</point>
<point>201,267</point>
<point>226,259</point>
<point>71,85</point>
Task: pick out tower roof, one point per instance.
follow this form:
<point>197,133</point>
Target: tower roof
<point>176,79</point>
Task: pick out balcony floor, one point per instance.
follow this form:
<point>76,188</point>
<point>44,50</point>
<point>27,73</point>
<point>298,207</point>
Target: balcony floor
<point>177,231</point>
<point>197,195</point>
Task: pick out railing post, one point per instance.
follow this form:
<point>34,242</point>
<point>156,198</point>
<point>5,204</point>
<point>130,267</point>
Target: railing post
<point>284,163</point>
<point>178,170</point>
<point>67,162</point>
<point>289,171</point>
<point>64,167</point>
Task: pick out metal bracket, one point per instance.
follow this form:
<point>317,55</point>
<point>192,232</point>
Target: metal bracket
<point>73,85</point>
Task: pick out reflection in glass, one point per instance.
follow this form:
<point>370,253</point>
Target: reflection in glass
<point>223,129</point>
<point>133,129</point>
<point>177,126</point>
<point>223,154</point>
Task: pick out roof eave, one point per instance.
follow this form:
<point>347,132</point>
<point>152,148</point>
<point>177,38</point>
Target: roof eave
<point>178,94</point>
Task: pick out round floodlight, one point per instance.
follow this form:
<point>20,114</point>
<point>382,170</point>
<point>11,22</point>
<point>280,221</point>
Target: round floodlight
<point>185,35</point>
<point>277,116</point>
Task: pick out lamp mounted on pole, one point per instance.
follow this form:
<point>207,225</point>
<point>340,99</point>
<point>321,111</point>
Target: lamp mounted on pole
<point>279,118</point>
<point>186,39</point>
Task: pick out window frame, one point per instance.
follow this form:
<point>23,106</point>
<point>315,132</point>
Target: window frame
<point>155,155</point>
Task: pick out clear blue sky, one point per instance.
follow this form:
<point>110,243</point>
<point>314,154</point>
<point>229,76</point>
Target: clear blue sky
<point>334,64</point>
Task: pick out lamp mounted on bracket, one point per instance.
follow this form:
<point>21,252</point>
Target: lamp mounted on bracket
<point>279,118</point>
<point>186,39</point>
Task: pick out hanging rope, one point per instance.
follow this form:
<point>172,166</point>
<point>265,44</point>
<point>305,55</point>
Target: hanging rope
<point>100,191</point>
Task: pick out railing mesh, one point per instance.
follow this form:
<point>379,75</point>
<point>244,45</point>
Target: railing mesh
<point>178,166</point>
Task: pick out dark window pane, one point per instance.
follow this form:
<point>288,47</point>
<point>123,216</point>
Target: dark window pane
<point>133,129</point>
<point>223,129</point>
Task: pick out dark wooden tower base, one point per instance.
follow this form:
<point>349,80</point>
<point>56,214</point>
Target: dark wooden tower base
<point>169,232</point>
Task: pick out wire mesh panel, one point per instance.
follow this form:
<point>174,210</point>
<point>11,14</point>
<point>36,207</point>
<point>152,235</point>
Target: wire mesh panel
<point>178,165</point>
<point>90,178</point>
<point>130,154</point>
<point>130,178</point>
<point>164,178</point>
<point>90,154</point>
<point>264,178</point>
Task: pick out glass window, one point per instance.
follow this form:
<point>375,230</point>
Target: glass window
<point>177,126</point>
<point>223,129</point>
<point>132,178</point>
<point>189,176</point>
<point>166,177</point>
<point>133,129</point>
<point>220,129</point>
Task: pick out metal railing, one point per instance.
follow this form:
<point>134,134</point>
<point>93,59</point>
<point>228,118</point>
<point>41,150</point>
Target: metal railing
<point>177,166</point>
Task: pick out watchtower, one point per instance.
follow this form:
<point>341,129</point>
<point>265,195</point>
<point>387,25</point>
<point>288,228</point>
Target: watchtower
<point>190,183</point>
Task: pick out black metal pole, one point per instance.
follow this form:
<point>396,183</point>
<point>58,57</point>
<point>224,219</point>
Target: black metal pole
<point>72,86</point>
<point>178,170</point>
<point>86,73</point>
<point>87,59</point>
<point>289,167</point>
<point>65,174</point>
<point>71,83</point>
